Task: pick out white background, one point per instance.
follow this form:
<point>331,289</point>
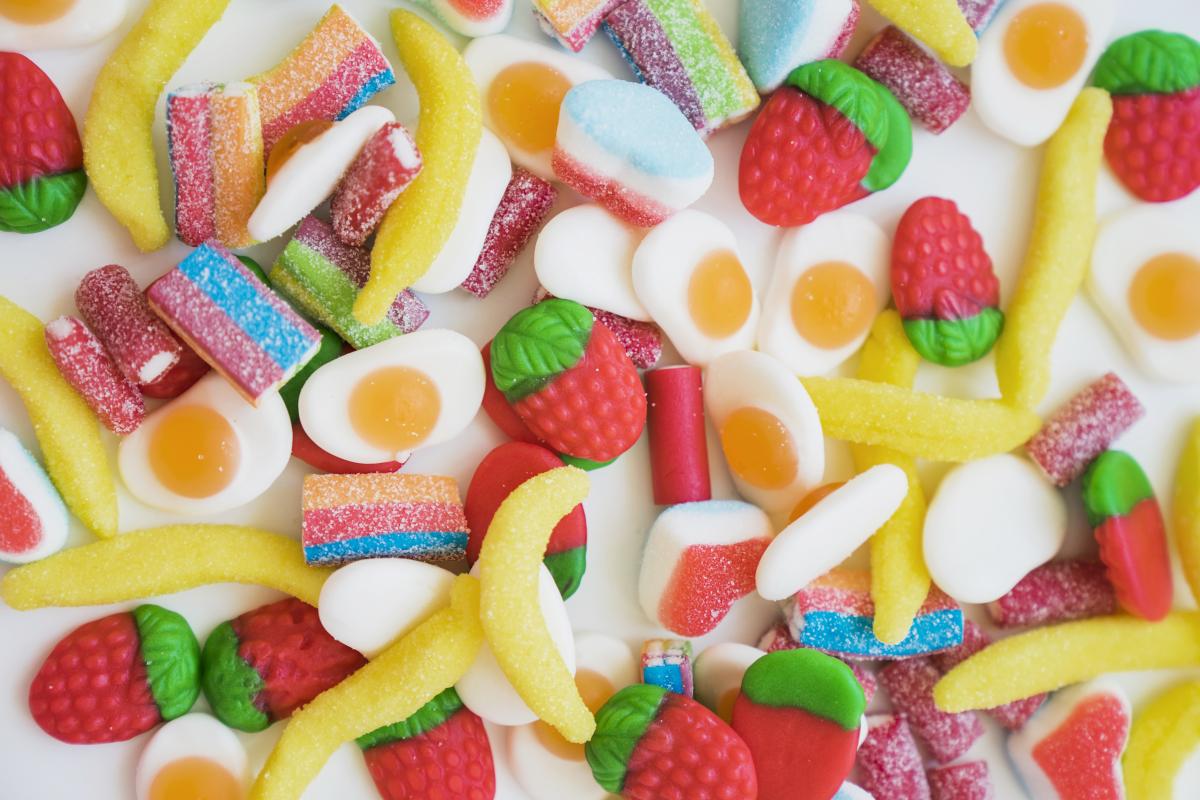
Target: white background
<point>991,180</point>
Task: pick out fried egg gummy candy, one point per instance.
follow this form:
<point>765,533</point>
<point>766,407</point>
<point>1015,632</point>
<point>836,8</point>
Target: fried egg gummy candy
<point>348,517</point>
<point>668,663</point>
<point>572,22</point>
<point>776,36</point>
<point>33,519</point>
<point>472,17</point>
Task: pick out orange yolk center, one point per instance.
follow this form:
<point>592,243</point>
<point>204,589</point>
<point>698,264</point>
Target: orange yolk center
<point>195,778</point>
<point>194,451</point>
<point>523,101</point>
<point>719,294</point>
<point>725,703</point>
<point>292,140</point>
<point>812,498</point>
<point>1045,45</point>
<point>34,12</point>
<point>395,408</point>
<point>1165,296</point>
<point>759,448</point>
<point>595,689</point>
<point>832,304</point>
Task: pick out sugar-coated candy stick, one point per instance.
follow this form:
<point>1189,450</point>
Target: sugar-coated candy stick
<point>162,560</point>
<point>678,447</point>
<point>394,685</point>
<point>384,167</point>
<point>1165,733</point>
<point>1185,509</point>
<point>889,762</point>
<point>1011,715</point>
<point>113,306</point>
<point>65,427</point>
<point>940,24</point>
<point>85,364</point>
<point>1045,659</point>
<point>919,424</point>
<point>909,684</point>
<point>509,565</point>
<point>1064,227</point>
<point>927,90</point>
<point>118,151</point>
<point>966,781</point>
<point>523,207</point>
<point>448,133</point>
<point>1056,592</point>
<point>642,341</point>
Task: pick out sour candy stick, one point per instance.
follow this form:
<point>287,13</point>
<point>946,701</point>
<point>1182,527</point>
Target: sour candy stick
<point>1186,509</point>
<point>678,447</point>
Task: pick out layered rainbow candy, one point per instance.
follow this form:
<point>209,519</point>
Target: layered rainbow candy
<point>572,22</point>
<point>334,71</point>
<point>215,145</point>
<point>348,517</point>
<point>668,663</point>
<point>233,320</point>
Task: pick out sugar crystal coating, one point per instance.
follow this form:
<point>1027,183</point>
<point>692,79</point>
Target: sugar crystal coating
<point>890,763</point>
<point>1011,715</point>
<point>572,22</point>
<point>966,781</point>
<point>668,663</point>
<point>113,306</point>
<point>523,207</point>
<point>909,684</point>
<point>388,162</point>
<point>926,89</point>
<point>85,365</point>
<point>1056,592</point>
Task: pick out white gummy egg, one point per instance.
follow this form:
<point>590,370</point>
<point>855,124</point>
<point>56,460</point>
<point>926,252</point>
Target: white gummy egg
<point>207,450</point>
<point>768,428</point>
<point>46,24</point>
<point>384,401</point>
<point>521,85</point>
<point>689,276</point>
<point>1145,279</point>
<point>718,675</point>
<point>831,280</point>
<point>1033,60</point>
<point>192,756</point>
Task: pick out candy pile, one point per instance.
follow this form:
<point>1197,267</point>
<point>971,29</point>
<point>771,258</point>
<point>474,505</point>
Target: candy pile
<point>419,621</point>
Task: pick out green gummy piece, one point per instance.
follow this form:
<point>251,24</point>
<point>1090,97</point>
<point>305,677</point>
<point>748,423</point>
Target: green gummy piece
<point>806,679</point>
<point>230,684</point>
<point>955,342</point>
<point>1149,62</point>
<point>537,345</point>
<point>567,569</point>
<point>1112,485</point>
<point>41,203</point>
<point>172,657</point>
<point>252,265</point>
<point>620,724</point>
<point>425,719</point>
<point>331,348</point>
<point>585,464</point>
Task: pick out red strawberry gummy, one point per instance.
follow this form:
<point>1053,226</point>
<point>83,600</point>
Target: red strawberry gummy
<point>116,677</point>
<point>41,158</point>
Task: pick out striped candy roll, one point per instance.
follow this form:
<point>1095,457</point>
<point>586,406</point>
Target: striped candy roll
<point>348,517</point>
<point>572,22</point>
<point>668,663</point>
<point>233,320</point>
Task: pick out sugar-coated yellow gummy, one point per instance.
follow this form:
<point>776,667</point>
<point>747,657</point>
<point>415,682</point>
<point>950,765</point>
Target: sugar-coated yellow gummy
<point>1186,509</point>
<point>1060,249</point>
<point>162,560</point>
<point>1164,734</point>
<point>899,578</point>
<point>392,687</point>
<point>1045,659</point>
<point>938,23</point>
<point>917,423</point>
<point>509,563</point>
<point>66,428</point>
<point>118,151</point>
<point>448,131</point>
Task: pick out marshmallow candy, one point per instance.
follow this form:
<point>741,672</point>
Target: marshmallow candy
<point>718,673</point>
<point>33,519</point>
<point>776,36</point>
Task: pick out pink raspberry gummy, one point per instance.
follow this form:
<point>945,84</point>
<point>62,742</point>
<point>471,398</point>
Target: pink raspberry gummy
<point>1056,592</point>
<point>890,763</point>
<point>909,684</point>
<point>922,84</point>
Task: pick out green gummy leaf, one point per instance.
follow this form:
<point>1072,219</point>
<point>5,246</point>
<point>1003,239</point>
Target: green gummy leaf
<point>538,344</point>
<point>42,202</point>
<point>1113,485</point>
<point>254,267</point>
<point>1150,61</point>
<point>620,724</point>
<point>172,657</point>
<point>809,680</point>
<point>230,684</point>
<point>426,718</point>
<point>892,158</point>
<point>954,342</point>
<point>331,348</point>
<point>585,464</point>
<point>567,569</point>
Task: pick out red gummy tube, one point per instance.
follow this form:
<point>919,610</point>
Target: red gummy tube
<point>909,683</point>
<point>179,378</point>
<point>926,89</point>
<point>1085,427</point>
<point>112,305</point>
<point>387,163</point>
<point>308,451</point>
<point>1056,592</point>
<point>1012,716</point>
<point>523,208</point>
<point>85,365</point>
<point>678,447</point>
<point>890,763</point>
<point>966,781</point>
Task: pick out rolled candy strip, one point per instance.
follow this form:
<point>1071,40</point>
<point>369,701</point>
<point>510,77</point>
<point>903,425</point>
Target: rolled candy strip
<point>33,518</point>
<point>308,451</point>
<point>678,447</point>
<point>523,207</point>
<point>966,781</point>
<point>572,22</point>
<point>909,683</point>
<point>677,47</point>
<point>1056,592</point>
<point>372,515</point>
<point>1011,715</point>
<point>1083,428</point>
<point>323,276</point>
<point>668,663</point>
<point>140,343</point>
<point>384,167</point>
<point>89,369</point>
<point>889,762</point>
<point>926,89</point>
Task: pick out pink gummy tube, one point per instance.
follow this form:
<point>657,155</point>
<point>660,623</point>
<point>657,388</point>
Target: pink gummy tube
<point>1056,592</point>
<point>522,209</point>
<point>112,305</point>
<point>387,163</point>
<point>909,683</point>
<point>922,84</point>
<point>88,368</point>
<point>678,447</point>
<point>966,781</point>
<point>1012,716</point>
<point>889,762</point>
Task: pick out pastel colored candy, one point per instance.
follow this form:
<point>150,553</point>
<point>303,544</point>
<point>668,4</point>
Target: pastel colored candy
<point>348,517</point>
<point>572,22</point>
<point>322,276</point>
<point>929,92</point>
<point>699,560</point>
<point>848,791</point>
<point>1056,592</point>
<point>33,518</point>
<point>472,17</point>
<point>889,764</point>
<point>384,167</point>
<point>909,683</point>
<point>86,365</point>
<point>1072,747</point>
<point>677,47</point>
<point>113,306</point>
<point>834,614</point>
<point>776,36</point>
<point>335,70</point>
<point>800,712</point>
<point>628,147</point>
<point>966,781</point>
<point>1128,524</point>
<point>989,524</point>
<point>668,663</point>
<point>233,320</point>
<point>523,207</point>
<point>1011,715</point>
<point>678,443</point>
